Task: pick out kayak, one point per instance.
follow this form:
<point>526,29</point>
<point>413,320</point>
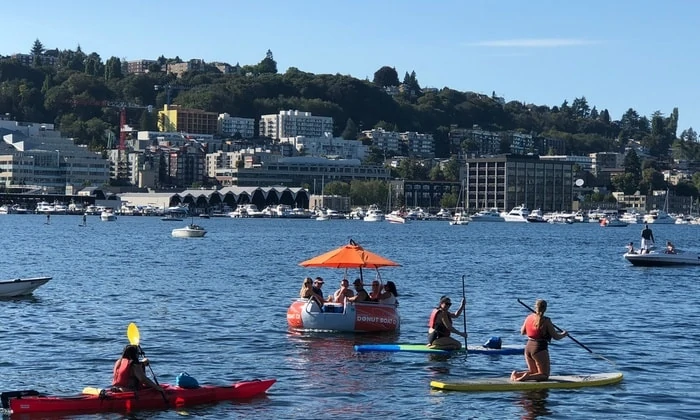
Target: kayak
<point>422,348</point>
<point>505,384</point>
<point>94,400</point>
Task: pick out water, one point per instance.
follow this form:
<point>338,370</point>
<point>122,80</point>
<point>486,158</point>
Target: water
<point>216,308</point>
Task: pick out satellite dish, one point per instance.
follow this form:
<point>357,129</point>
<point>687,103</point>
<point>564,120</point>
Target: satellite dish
<point>579,182</point>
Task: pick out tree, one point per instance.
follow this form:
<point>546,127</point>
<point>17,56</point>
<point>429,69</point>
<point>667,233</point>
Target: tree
<point>113,68</point>
<point>633,166</point>
<point>37,51</point>
<point>337,188</point>
<point>436,174</point>
<point>386,76</point>
<point>268,64</point>
<point>350,132</point>
<point>451,169</point>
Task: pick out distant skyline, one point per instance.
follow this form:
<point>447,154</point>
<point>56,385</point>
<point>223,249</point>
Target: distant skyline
<point>619,55</point>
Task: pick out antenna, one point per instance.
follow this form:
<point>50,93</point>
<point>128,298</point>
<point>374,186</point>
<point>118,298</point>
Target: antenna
<point>579,182</point>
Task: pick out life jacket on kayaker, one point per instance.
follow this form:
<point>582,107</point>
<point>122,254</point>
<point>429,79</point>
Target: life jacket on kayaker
<point>533,331</point>
<point>123,372</point>
<point>436,328</point>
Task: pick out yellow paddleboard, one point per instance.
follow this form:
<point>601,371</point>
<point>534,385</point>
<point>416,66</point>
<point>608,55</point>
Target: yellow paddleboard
<point>505,384</point>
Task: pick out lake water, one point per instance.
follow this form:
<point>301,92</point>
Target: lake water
<point>216,308</point>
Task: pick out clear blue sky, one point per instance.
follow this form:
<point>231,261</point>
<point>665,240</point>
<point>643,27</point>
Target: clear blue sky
<point>618,54</point>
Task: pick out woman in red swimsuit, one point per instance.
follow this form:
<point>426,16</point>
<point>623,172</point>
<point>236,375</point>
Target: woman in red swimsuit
<point>539,330</point>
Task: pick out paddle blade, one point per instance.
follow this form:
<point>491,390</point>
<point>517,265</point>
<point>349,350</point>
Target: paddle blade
<point>133,333</point>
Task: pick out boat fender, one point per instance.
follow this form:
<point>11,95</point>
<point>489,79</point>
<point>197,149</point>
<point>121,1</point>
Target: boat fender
<point>5,396</point>
<point>184,380</point>
<point>493,343</point>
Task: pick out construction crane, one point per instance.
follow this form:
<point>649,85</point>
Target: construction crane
<point>123,106</point>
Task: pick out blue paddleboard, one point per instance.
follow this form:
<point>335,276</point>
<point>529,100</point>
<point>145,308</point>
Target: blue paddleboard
<point>422,348</point>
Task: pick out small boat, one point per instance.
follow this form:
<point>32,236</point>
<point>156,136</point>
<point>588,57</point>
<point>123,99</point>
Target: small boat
<point>373,214</point>
<point>517,214</point>
<point>21,287</point>
<point>488,215</point>
<point>189,231</point>
<point>108,216</point>
<point>663,258</point>
<point>505,384</point>
<point>396,217</point>
<point>94,400</point>
<point>612,221</point>
<point>459,219</point>
<point>306,314</point>
<point>536,216</point>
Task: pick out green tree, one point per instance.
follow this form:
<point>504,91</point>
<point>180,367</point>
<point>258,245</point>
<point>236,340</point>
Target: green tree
<point>37,51</point>
<point>633,166</point>
<point>268,64</point>
<point>113,69</point>
<point>350,132</point>
<point>386,76</point>
<point>337,188</point>
<point>436,174</point>
<point>626,183</point>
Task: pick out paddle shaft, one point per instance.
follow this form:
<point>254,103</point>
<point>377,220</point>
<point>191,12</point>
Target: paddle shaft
<point>569,335</point>
<point>464,313</point>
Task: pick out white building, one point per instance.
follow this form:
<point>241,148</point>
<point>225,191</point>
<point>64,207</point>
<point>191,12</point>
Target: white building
<point>294,123</point>
<point>229,126</point>
<point>44,159</point>
<point>328,146</point>
<point>384,140</point>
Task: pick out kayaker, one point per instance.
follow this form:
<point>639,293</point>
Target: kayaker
<point>539,330</point>
<point>440,326</point>
<point>130,373</point>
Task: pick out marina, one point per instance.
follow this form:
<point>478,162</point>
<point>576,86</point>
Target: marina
<point>217,307</point>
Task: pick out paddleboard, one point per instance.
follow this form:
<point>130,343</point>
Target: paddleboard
<point>422,348</point>
<point>505,384</point>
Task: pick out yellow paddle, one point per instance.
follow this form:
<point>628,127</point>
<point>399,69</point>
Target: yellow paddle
<point>132,332</point>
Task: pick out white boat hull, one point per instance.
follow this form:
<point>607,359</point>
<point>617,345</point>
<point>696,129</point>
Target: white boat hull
<point>21,287</point>
<point>189,232</point>
<point>662,259</point>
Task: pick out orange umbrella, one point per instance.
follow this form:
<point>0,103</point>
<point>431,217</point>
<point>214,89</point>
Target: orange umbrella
<point>349,256</point>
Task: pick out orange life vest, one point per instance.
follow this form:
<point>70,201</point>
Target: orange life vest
<point>122,375</point>
<point>533,332</point>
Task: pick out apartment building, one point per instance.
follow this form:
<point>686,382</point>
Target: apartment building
<point>28,59</point>
<point>175,118</point>
<point>230,126</point>
<point>294,123</point>
<point>327,146</point>
<point>418,144</point>
<point>137,66</point>
<point>506,181</point>
<point>384,140</point>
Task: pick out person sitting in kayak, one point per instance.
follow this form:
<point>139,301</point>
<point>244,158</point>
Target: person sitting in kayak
<point>440,326</point>
<point>130,373</point>
<point>344,291</point>
<point>360,292</point>
<point>539,330</point>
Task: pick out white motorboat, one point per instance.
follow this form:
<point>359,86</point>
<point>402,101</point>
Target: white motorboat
<point>189,231</point>
<point>632,217</point>
<point>517,214</point>
<point>612,221</point>
<point>21,287</point>
<point>459,219</point>
<point>488,215</point>
<point>396,217</point>
<point>659,217</point>
<point>373,214</point>
<point>664,258</point>
<point>536,216</point>
<point>108,216</point>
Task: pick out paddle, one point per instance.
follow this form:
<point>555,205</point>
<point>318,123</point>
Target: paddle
<point>132,332</point>
<point>569,335</point>
<point>464,313</point>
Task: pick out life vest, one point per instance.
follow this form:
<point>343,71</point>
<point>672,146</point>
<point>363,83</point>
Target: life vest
<point>532,331</point>
<point>122,374</point>
<point>442,329</point>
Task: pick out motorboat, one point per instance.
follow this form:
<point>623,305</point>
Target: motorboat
<point>488,215</point>
<point>175,214</point>
<point>189,231</point>
<point>373,214</point>
<point>536,216</point>
<point>632,217</point>
<point>612,221</point>
<point>21,287</point>
<point>517,214</point>
<point>459,219</point>
<point>346,316</point>
<point>108,216</point>
<point>443,214</point>
<point>659,217</point>
<point>664,258</point>
<point>396,217</point>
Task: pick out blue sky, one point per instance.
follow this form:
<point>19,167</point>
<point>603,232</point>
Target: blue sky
<point>618,54</point>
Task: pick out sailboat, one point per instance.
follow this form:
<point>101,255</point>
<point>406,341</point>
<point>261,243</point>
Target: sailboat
<point>660,216</point>
<point>396,216</point>
<point>460,218</point>
<point>321,213</point>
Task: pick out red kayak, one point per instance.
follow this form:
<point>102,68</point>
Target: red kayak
<point>147,399</point>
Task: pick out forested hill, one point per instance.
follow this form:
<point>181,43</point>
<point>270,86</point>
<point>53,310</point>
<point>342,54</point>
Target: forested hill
<point>48,94</point>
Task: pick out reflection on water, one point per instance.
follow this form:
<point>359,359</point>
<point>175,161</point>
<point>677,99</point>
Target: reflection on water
<point>534,404</point>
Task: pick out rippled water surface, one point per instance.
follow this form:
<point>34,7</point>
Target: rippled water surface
<point>216,308</point>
